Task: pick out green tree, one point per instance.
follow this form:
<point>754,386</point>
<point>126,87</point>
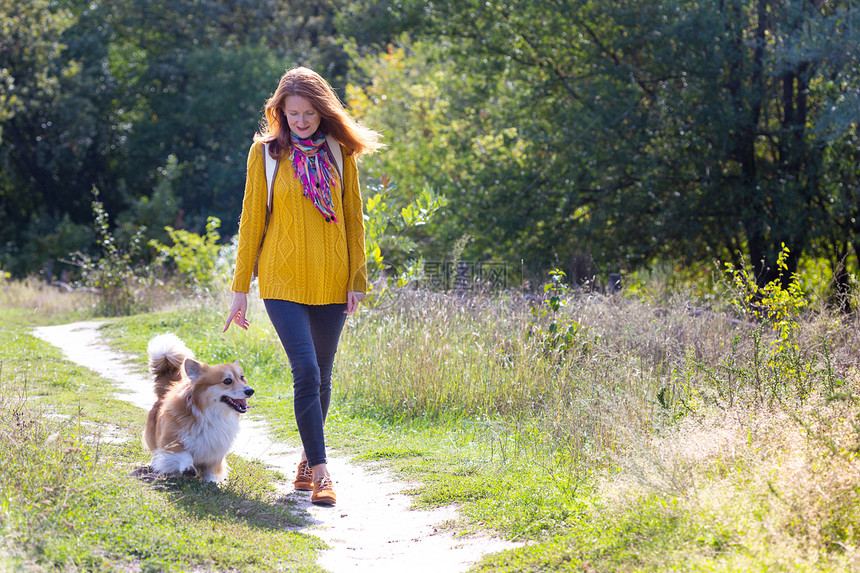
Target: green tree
<point>29,46</point>
<point>196,80</point>
<point>373,24</point>
<point>648,130</point>
<point>454,133</point>
<point>828,41</point>
<point>30,76</point>
<point>103,94</point>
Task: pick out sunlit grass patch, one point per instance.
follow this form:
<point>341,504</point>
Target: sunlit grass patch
<point>658,439</point>
<point>70,500</point>
<point>389,454</point>
<point>652,536</point>
<point>748,492</point>
<point>250,496</point>
<point>36,303</point>
<point>72,495</point>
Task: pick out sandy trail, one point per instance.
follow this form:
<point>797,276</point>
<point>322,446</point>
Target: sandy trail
<point>372,527</point>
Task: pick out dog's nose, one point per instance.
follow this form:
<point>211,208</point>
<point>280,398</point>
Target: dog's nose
<point>249,391</point>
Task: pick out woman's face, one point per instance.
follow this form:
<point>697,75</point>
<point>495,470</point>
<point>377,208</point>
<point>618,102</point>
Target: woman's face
<point>301,116</point>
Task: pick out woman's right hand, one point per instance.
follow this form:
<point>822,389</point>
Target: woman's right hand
<point>238,310</point>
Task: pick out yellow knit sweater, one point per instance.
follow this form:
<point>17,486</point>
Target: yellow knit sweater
<point>304,259</point>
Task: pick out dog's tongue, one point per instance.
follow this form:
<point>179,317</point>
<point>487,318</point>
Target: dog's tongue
<point>242,403</point>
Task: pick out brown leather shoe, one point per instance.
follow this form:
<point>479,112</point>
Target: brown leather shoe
<point>304,477</point>
<point>323,493</point>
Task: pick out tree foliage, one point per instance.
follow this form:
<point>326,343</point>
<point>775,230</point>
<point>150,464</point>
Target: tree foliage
<point>586,136</point>
<point>107,94</point>
<point>30,77</point>
<point>634,131</point>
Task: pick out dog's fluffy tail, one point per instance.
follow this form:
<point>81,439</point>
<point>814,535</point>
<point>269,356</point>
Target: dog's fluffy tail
<point>166,355</point>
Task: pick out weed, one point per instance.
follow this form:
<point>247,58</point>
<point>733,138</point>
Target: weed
<point>551,330</point>
<point>392,263</point>
<point>115,274</point>
<point>768,362</point>
<point>195,256</point>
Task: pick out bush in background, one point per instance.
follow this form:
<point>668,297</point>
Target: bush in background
<point>116,274</point>
<point>194,256</point>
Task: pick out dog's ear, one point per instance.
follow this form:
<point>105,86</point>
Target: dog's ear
<point>193,368</point>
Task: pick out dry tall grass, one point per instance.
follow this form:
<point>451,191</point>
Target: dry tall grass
<point>754,432</point>
<point>754,435</point>
<point>44,299</point>
<point>46,302</point>
<point>495,358</point>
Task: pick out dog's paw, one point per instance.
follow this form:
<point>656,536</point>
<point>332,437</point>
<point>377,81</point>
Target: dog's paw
<point>214,478</point>
<point>189,472</point>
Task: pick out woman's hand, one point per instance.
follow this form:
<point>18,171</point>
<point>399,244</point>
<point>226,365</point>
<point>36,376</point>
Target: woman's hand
<point>238,308</point>
<point>353,297</point>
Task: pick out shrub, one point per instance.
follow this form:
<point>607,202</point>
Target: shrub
<point>767,361</point>
<point>195,256</point>
<point>390,249</point>
<point>551,330</point>
<point>115,274</point>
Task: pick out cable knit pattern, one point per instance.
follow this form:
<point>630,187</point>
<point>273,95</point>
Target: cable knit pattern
<point>304,259</point>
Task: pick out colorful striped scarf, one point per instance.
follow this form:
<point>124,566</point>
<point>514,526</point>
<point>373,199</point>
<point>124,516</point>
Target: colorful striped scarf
<point>312,164</point>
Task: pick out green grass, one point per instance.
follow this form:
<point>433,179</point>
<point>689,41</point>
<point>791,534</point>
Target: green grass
<point>654,537</point>
<point>72,495</point>
<point>389,454</point>
<point>450,457</point>
<point>541,465</point>
<point>653,438</point>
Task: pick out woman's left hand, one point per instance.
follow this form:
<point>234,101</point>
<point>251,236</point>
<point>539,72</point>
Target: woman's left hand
<point>353,297</point>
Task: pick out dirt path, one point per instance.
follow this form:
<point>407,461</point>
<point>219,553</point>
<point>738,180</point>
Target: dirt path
<point>370,529</point>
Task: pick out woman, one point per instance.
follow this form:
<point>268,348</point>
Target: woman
<point>311,255</point>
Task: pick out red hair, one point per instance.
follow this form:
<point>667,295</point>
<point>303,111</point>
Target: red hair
<point>334,119</point>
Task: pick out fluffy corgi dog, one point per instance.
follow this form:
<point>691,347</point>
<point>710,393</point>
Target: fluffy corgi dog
<point>195,418</point>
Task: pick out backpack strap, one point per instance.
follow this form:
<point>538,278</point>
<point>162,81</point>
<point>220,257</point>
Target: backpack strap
<point>337,153</point>
<point>271,171</point>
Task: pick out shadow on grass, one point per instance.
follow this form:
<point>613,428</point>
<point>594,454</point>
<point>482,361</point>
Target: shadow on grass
<point>247,496</point>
